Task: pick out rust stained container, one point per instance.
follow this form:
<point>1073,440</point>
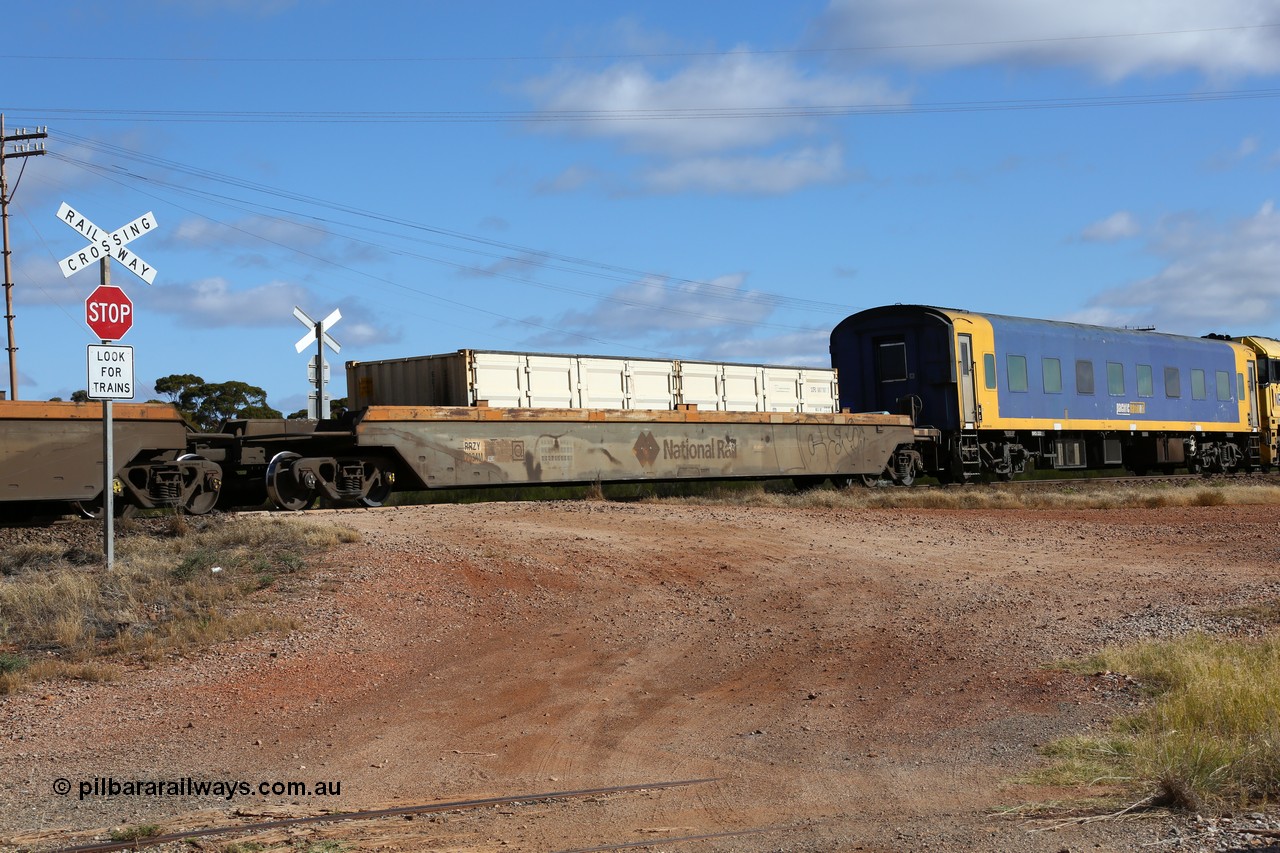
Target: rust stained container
<point>534,380</point>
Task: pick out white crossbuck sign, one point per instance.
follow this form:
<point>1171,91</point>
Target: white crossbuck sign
<point>107,245</point>
<point>322,327</point>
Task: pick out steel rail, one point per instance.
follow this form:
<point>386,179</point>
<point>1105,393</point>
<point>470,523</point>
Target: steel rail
<point>680,839</point>
<point>374,814</point>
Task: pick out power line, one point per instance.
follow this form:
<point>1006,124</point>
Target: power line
<point>506,251</point>
<point>863,48</point>
<point>65,114</point>
<point>749,298</point>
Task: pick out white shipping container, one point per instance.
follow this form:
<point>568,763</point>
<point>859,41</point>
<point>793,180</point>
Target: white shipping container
<point>602,383</point>
<point>651,384</point>
<point>743,391</point>
<point>702,385</point>
<point>535,380</point>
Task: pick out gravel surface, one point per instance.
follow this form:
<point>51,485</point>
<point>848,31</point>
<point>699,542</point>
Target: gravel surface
<point>850,680</point>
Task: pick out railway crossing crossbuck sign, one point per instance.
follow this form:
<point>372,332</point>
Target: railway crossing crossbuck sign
<point>105,244</point>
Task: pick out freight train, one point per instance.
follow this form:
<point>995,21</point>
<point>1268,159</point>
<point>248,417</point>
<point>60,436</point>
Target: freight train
<point>953,394</point>
<point>440,431</point>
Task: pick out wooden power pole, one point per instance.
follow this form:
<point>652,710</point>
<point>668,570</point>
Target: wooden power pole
<point>23,150</point>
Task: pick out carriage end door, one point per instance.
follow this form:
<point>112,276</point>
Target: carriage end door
<point>964,373</point>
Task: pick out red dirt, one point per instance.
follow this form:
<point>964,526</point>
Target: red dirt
<point>850,679</point>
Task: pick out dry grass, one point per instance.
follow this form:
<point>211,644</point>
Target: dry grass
<point>172,591</point>
<point>975,496</point>
<point>1210,740</point>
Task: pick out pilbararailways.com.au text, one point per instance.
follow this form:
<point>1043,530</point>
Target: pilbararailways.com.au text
<point>228,789</point>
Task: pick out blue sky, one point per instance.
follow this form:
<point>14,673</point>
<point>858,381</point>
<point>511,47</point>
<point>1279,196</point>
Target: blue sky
<point>723,180</point>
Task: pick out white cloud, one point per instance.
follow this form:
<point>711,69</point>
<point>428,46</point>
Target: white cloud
<point>662,313</point>
<point>1238,156</point>
<point>572,179</point>
<point>360,330</point>
<point>1117,226</point>
<point>763,175</point>
<point>251,232</point>
<point>1094,34</point>
<point>803,349</point>
<point>213,302</point>
<point>1215,279</point>
<point>703,107</point>
<point>520,266</point>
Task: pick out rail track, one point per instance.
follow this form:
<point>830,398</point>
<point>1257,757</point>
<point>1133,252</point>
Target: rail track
<point>1145,480</point>
<point>1185,480</point>
<point>405,811</point>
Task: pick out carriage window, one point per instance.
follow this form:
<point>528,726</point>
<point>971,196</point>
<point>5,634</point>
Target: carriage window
<point>1052,370</point>
<point>1115,379</point>
<point>1017,368</point>
<point>1240,384</point>
<point>893,362</point>
<point>1224,385</point>
<point>989,369</point>
<point>1084,377</point>
<point>1197,384</point>
<point>1172,382</point>
<point>1146,382</point>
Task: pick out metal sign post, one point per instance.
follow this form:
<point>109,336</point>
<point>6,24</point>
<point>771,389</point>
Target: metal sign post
<point>320,334</point>
<point>108,462</point>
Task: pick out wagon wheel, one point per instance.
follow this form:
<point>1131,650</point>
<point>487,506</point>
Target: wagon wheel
<point>380,490</point>
<point>204,497</point>
<point>907,477</point>
<point>283,488</point>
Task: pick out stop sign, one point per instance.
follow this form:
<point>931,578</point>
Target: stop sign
<point>108,312</point>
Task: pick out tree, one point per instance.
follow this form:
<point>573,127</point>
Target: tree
<point>337,408</point>
<point>205,405</point>
<point>76,397</point>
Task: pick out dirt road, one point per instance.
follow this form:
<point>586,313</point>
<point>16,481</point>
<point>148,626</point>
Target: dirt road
<point>850,680</point>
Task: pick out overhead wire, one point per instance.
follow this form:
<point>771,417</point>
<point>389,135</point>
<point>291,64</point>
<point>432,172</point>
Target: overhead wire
<point>613,298</point>
<point>687,54</point>
<point>534,257</point>
<point>567,263</point>
<point>413,290</point>
<point>563,116</point>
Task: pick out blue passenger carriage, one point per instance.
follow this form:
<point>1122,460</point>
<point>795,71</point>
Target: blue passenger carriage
<point>1007,390</point>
